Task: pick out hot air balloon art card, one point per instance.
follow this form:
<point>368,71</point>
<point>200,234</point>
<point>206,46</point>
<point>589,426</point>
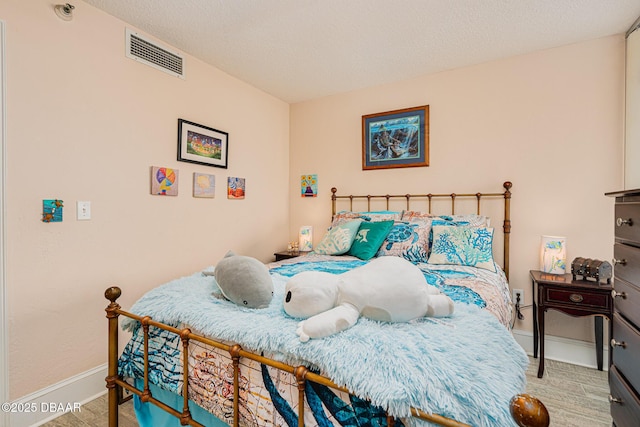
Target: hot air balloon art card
<point>164,181</point>
<point>235,188</point>
<point>204,185</point>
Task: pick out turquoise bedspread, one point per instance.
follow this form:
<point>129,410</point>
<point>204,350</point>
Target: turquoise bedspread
<point>466,367</point>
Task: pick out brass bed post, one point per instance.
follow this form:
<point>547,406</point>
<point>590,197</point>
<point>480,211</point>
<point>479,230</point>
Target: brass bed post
<point>507,225</point>
<point>146,392</point>
<point>234,351</point>
<point>112,294</point>
<point>186,413</point>
<point>333,202</point>
<point>301,373</point>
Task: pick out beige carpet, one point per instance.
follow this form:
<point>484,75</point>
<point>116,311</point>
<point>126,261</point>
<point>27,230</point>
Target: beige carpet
<point>575,397</point>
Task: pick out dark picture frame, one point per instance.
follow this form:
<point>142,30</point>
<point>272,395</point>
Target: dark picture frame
<point>202,145</point>
<point>396,139</point>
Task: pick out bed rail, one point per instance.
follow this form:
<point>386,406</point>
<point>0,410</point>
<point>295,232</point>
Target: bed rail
<point>430,198</point>
<point>526,410</point>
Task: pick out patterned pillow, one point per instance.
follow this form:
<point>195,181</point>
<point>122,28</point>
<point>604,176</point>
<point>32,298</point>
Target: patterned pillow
<point>417,216</point>
<point>458,245</point>
<point>338,239</point>
<point>409,240</point>
<point>369,238</point>
<point>376,216</point>
<point>471,220</point>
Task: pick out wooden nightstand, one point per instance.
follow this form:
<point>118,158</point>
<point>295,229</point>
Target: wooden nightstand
<point>576,298</point>
<point>286,255</point>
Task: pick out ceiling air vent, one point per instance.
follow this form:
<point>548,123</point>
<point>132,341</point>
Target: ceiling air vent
<point>144,50</point>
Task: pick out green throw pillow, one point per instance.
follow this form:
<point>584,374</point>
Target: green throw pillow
<point>369,238</point>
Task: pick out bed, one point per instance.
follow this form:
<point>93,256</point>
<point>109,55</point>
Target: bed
<point>206,361</point>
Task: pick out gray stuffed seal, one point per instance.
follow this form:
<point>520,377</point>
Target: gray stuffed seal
<point>244,281</point>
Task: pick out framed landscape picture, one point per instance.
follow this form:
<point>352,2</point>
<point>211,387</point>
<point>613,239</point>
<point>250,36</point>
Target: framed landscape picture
<point>202,145</point>
<point>396,139</point>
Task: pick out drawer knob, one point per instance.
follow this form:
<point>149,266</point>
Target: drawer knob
<point>576,297</point>
<point>620,222</point>
<point>615,343</point>
<point>615,400</point>
<point>619,261</point>
<point>615,294</point>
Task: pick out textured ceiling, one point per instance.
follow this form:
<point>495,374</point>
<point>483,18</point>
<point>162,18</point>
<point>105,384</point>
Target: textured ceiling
<point>298,50</point>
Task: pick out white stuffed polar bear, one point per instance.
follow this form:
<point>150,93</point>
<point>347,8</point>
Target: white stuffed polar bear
<point>389,289</point>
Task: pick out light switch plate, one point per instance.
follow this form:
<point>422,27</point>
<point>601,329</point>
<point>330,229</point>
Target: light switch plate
<point>84,211</point>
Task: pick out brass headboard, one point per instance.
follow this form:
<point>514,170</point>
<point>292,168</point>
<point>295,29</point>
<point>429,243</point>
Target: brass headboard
<point>429,198</point>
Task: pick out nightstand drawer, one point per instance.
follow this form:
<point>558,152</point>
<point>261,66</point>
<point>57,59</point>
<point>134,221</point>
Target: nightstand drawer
<point>627,220</point>
<point>628,265</point>
<point>625,406</point>
<point>627,300</point>
<point>626,347</point>
<point>580,298</point>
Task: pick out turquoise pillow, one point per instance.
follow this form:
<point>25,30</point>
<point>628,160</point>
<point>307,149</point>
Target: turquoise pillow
<point>469,246</point>
<point>338,239</point>
<point>369,238</point>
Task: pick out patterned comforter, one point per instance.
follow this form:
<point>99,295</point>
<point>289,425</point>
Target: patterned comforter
<point>269,397</point>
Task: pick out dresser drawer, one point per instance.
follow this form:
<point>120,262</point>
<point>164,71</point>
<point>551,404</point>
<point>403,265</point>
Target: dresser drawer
<point>625,408</point>
<point>628,222</point>
<point>627,300</point>
<point>626,349</point>
<point>581,299</point>
<point>627,266</point>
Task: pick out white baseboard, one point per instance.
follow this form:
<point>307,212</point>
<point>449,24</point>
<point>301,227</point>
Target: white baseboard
<point>567,350</point>
<point>44,405</point>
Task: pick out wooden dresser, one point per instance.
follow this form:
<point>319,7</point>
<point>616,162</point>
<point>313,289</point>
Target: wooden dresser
<point>624,375</point>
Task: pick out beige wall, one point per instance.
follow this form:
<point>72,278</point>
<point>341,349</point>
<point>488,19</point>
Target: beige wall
<point>550,122</point>
<point>86,123</point>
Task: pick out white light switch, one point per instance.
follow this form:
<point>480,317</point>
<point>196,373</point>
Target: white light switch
<point>84,211</point>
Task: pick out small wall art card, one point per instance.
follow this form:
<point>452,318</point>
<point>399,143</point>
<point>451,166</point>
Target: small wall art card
<point>164,181</point>
<point>309,185</point>
<point>52,210</point>
<point>204,185</point>
<point>235,188</point>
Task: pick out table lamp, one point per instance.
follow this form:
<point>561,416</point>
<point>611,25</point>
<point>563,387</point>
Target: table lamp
<point>553,254</point>
<point>305,238</point>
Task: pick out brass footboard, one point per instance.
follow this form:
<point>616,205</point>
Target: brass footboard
<point>526,410</point>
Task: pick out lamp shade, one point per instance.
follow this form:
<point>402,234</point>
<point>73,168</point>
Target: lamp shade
<point>553,254</point>
<point>305,238</point>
